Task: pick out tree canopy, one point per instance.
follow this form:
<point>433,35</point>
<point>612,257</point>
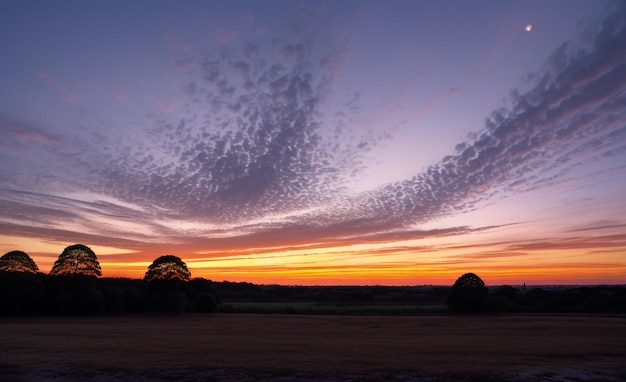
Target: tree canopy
<point>77,259</point>
<point>17,261</point>
<point>468,294</point>
<point>469,280</point>
<point>168,267</point>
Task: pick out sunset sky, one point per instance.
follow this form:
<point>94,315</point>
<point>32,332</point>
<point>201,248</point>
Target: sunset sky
<point>318,142</point>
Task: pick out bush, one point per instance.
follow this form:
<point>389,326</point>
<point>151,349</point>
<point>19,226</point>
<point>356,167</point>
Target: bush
<point>177,302</point>
<point>204,303</point>
<point>21,293</point>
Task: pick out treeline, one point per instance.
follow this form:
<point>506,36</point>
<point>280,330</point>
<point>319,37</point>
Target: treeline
<point>32,294</point>
<point>569,299</point>
<point>26,294</point>
<point>247,292</point>
<point>506,298</point>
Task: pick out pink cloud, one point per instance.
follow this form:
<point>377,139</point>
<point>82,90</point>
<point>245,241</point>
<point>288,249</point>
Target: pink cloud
<point>186,65</point>
<point>46,77</point>
<point>173,39</point>
<point>34,136</point>
<point>165,105</point>
<point>64,93</point>
<point>122,97</point>
<point>225,35</point>
<point>67,96</point>
<point>17,134</point>
<point>184,47</point>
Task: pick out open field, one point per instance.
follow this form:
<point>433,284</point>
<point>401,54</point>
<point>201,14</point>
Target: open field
<point>233,347</point>
<point>331,309</point>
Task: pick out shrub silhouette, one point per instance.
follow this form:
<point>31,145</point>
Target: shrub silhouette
<point>168,267</point>
<point>503,298</point>
<point>177,302</point>
<point>21,293</point>
<point>200,286</point>
<point>468,295</point>
<point>114,299</point>
<point>204,303</point>
<point>17,261</point>
<point>74,294</point>
<point>77,259</point>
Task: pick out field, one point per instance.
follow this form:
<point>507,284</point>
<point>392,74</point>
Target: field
<point>331,309</point>
<point>235,347</point>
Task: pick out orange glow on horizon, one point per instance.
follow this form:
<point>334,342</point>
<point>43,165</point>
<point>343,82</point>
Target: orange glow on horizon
<point>546,274</point>
<point>431,261</point>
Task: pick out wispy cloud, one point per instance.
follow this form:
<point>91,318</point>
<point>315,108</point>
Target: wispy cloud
<point>67,96</point>
<point>18,135</point>
<point>184,65</point>
<point>63,93</point>
<point>46,77</point>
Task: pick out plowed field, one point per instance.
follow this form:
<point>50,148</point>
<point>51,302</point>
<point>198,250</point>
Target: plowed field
<point>233,347</point>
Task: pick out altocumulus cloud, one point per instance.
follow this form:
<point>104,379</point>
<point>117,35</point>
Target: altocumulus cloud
<point>573,113</point>
<point>258,148</point>
<point>250,152</point>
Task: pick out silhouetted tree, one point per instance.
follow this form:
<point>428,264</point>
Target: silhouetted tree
<point>469,280</point>
<point>17,261</point>
<point>168,267</point>
<point>468,294</point>
<point>77,259</point>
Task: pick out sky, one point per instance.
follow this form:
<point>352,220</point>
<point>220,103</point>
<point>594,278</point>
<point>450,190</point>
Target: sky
<point>318,142</point>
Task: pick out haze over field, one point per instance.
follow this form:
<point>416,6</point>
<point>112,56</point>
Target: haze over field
<point>310,142</point>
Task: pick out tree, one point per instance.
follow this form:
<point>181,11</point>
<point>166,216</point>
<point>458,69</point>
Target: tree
<point>469,280</point>
<point>167,267</point>
<point>77,259</point>
<point>17,261</point>
<point>468,294</point>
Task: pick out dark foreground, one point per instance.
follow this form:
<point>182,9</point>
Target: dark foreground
<point>243,347</point>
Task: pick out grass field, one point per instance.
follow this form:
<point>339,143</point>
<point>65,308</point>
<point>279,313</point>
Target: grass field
<point>330,309</point>
<point>233,347</point>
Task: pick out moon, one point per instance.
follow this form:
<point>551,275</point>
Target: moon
<point>528,28</point>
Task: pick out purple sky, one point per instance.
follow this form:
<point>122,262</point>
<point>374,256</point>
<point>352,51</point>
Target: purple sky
<point>193,128</point>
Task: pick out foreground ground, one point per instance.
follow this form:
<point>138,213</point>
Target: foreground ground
<point>235,347</point>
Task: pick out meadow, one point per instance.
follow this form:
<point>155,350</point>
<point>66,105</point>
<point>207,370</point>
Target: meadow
<point>291,347</point>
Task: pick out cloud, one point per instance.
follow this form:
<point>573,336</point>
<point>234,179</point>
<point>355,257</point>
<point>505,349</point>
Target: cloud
<point>574,110</point>
<point>184,65</point>
<point>256,154</point>
<point>165,104</point>
<point>251,50</point>
<point>18,135</point>
<point>599,225</point>
<point>67,96</point>
<point>122,96</point>
<point>46,77</point>
<point>54,217</point>
<point>226,34</point>
<point>63,93</point>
